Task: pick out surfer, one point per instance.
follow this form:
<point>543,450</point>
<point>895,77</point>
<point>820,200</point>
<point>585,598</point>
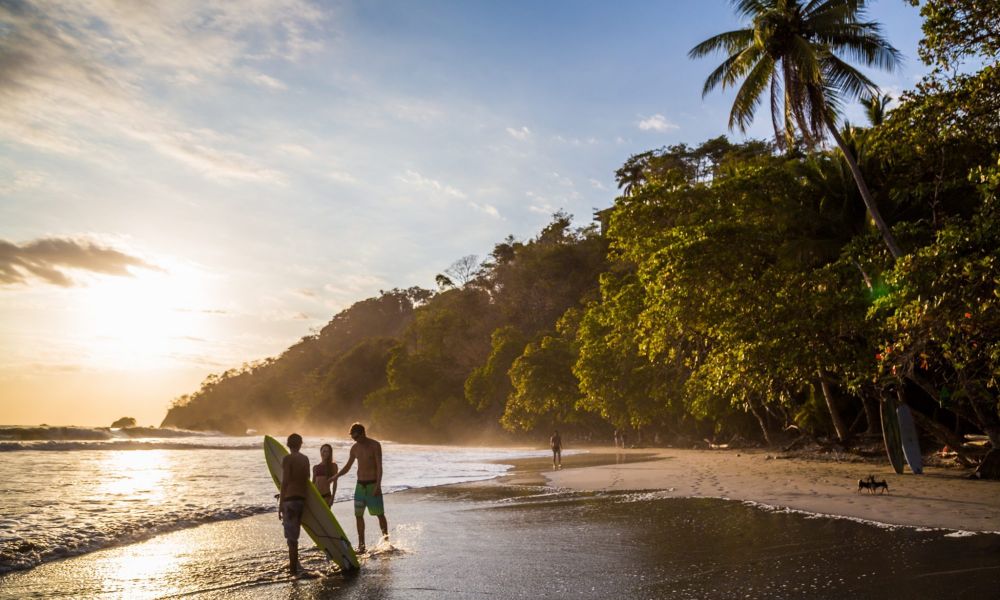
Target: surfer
<point>556,443</point>
<point>368,491</point>
<point>324,474</point>
<point>292,498</point>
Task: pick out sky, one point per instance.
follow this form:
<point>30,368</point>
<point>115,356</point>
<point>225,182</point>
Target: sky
<point>189,185</point>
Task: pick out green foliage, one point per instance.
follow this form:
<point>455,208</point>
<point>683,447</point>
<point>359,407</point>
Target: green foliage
<point>956,29</point>
<point>942,317</point>
<point>488,387</point>
<point>545,390</point>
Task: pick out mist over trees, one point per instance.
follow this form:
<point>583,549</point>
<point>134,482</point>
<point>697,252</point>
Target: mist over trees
<point>732,290</point>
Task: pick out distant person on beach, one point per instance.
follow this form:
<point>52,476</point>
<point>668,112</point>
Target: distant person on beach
<point>368,491</point>
<point>556,443</point>
<point>324,474</point>
<point>618,440</point>
<point>292,498</point>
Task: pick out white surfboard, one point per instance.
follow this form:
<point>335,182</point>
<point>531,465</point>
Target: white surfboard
<point>317,519</point>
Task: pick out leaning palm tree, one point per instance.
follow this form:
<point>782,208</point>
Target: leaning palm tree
<point>792,50</point>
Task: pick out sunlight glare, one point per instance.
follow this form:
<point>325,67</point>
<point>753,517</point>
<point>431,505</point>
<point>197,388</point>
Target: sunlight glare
<point>144,321</point>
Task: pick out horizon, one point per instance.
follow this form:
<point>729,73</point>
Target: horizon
<point>190,187</point>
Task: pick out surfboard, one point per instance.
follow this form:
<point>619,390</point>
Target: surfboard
<point>891,436</point>
<point>317,519</point>
<point>908,439</point>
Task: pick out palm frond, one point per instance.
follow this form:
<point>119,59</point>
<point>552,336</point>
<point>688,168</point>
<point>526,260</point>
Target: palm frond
<point>845,78</point>
<point>731,70</point>
<point>748,96</point>
<point>864,43</point>
<point>804,58</point>
<point>751,8</point>
<point>730,41</point>
<point>777,109</point>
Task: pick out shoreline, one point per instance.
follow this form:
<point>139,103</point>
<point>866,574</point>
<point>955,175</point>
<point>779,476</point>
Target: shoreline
<point>518,535</point>
<point>940,499</point>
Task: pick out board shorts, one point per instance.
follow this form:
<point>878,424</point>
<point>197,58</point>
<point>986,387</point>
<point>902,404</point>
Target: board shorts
<point>293,518</point>
<point>364,495</point>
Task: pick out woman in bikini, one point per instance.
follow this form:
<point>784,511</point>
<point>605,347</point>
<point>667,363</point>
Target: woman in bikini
<point>324,474</point>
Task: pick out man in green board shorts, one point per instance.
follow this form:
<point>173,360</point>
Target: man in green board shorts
<point>368,491</point>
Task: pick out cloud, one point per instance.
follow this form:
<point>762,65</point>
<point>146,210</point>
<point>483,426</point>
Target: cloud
<point>82,77</point>
<point>486,208</point>
<point>278,315</point>
<point>295,150</point>
<point>205,311</point>
<point>519,134</point>
<point>656,123</point>
<point>48,259</point>
<point>268,82</point>
<point>22,180</point>
<point>416,180</point>
<point>342,177</point>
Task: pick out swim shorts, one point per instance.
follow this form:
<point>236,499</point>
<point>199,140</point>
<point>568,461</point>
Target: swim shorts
<point>364,495</point>
<point>293,518</point>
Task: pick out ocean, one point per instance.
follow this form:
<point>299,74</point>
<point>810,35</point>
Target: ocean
<point>70,491</point>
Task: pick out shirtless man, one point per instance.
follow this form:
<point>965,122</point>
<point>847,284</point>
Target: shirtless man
<point>292,499</point>
<point>368,491</point>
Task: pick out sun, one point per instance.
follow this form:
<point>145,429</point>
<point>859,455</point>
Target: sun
<point>146,321</point>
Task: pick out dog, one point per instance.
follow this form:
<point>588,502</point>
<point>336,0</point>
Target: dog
<point>871,485</point>
<point>884,485</point>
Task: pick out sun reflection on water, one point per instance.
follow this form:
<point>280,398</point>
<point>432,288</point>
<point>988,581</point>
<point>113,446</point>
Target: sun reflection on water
<point>135,475</point>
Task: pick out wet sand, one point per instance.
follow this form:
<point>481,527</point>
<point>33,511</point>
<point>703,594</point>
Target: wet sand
<point>940,498</point>
<point>514,538</point>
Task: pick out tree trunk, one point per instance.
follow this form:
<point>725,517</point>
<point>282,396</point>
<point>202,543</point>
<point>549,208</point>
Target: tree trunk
<point>943,435</point>
<point>838,423</point>
<point>990,467</point>
<point>870,407</point>
<point>762,421</point>
<point>866,195</point>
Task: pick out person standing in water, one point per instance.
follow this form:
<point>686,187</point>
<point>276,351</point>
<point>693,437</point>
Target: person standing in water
<point>556,442</point>
<point>324,474</point>
<point>292,497</point>
<point>368,491</point>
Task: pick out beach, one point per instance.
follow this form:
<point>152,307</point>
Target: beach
<point>596,529</point>
<point>941,498</point>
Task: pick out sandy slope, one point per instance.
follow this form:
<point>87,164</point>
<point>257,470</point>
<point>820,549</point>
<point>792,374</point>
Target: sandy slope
<point>940,498</point>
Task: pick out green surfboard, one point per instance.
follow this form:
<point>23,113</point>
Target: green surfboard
<point>317,519</point>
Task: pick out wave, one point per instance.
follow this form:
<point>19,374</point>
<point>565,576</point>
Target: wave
<point>45,432</point>
<point>23,553</point>
<point>56,446</point>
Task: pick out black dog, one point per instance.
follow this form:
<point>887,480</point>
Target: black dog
<point>871,485</point>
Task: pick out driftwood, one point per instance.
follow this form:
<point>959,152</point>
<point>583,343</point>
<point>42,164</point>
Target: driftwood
<point>990,467</point>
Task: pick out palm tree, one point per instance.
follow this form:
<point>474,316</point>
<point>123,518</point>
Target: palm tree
<point>876,108</point>
<point>792,48</point>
